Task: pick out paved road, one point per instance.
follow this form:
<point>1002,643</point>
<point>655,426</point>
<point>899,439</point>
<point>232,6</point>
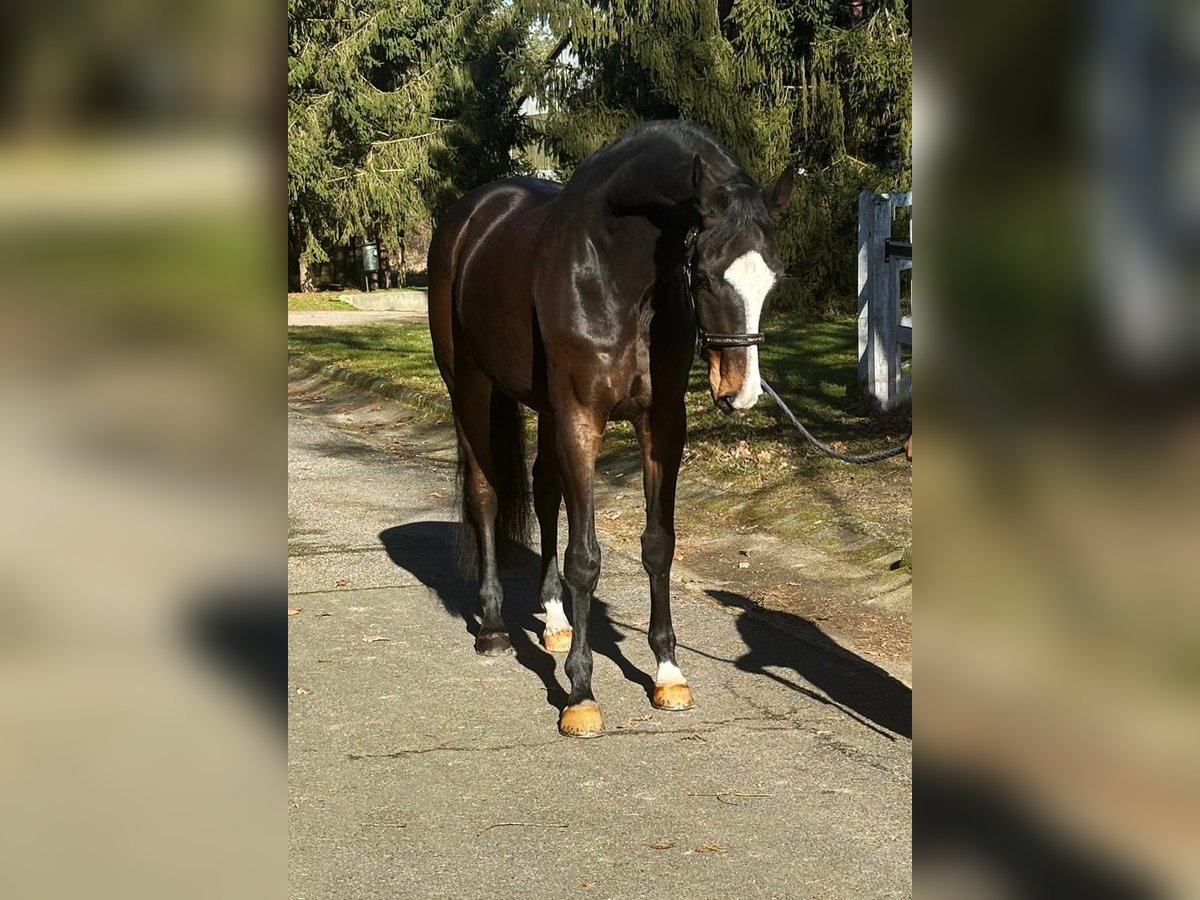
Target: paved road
<point>300,318</point>
<point>417,769</point>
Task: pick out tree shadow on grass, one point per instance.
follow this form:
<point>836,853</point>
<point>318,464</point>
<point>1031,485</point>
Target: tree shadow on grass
<point>781,640</point>
<point>428,550</point>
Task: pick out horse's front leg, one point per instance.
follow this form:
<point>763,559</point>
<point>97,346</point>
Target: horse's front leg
<point>661,432</point>
<point>578,438</point>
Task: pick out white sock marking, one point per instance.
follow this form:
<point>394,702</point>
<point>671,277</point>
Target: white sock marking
<point>556,618</point>
<point>668,673</point>
<point>753,279</point>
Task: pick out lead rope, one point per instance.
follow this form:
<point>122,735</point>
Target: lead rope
<point>825,448</point>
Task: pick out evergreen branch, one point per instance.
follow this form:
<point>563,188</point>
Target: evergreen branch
<point>405,140</point>
<point>357,32</point>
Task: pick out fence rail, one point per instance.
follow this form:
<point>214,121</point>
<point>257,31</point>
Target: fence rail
<point>881,329</point>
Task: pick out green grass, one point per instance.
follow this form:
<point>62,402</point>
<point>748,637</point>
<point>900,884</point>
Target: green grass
<point>327,301</point>
<point>811,365</point>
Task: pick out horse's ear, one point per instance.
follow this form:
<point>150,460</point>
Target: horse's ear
<point>777,194</point>
<point>697,172</point>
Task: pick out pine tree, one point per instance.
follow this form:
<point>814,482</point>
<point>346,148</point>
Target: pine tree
<point>823,85</point>
<point>393,105</point>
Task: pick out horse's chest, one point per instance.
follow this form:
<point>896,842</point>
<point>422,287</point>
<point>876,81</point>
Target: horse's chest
<point>629,381</point>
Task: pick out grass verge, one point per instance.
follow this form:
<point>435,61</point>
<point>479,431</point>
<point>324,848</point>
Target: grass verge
<point>306,302</point>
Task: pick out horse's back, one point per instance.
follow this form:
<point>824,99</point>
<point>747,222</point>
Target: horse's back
<point>481,261</point>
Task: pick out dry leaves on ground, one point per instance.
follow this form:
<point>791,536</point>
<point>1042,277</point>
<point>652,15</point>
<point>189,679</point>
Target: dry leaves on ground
<point>711,848</point>
<point>295,610</point>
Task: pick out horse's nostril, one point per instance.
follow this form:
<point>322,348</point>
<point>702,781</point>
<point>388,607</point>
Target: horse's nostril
<point>725,402</point>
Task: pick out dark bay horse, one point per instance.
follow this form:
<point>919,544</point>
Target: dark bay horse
<point>582,301</point>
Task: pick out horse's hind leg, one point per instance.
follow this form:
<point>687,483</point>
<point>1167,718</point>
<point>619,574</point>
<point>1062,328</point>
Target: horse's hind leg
<point>472,399</point>
<point>547,499</point>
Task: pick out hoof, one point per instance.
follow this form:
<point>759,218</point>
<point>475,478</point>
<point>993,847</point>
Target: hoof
<point>493,643</point>
<point>581,720</point>
<point>672,697</point>
<point>557,641</point>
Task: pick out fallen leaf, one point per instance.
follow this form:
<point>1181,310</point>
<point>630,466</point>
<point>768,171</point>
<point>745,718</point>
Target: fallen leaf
<point>323,614</point>
<point>342,582</point>
<point>372,638</point>
<point>743,552</point>
<point>295,610</point>
<point>303,690</point>
<point>612,514</point>
<point>590,883</point>
<point>436,495</point>
<point>711,848</point>
<point>662,845</point>
<point>743,565</point>
<point>678,554</point>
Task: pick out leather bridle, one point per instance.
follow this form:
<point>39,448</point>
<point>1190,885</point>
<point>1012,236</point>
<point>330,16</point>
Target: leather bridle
<point>708,340</point>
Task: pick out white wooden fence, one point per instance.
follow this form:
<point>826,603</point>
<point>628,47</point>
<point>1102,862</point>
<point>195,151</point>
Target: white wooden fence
<point>881,329</point>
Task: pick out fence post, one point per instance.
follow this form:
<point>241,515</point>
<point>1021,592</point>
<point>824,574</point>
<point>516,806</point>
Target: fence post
<point>866,228</point>
<point>878,301</point>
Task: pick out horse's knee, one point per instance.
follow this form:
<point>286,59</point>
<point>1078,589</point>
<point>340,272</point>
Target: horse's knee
<point>658,549</point>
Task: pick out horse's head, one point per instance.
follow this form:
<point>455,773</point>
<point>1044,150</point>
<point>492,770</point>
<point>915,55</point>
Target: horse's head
<point>735,265</point>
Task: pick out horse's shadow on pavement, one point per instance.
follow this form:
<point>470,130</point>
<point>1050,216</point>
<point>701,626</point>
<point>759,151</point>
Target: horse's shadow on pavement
<point>429,551</point>
<point>782,640</point>
<point>774,640</point>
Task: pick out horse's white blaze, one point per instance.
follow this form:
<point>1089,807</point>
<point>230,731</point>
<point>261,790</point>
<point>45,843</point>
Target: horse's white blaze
<point>753,279</point>
<point>556,619</point>
<point>668,673</point>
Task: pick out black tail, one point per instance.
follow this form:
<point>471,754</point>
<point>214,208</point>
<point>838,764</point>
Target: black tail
<point>510,481</point>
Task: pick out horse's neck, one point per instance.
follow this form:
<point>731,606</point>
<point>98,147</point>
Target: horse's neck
<point>652,183</point>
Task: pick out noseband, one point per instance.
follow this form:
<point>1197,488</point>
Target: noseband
<point>708,340</point>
